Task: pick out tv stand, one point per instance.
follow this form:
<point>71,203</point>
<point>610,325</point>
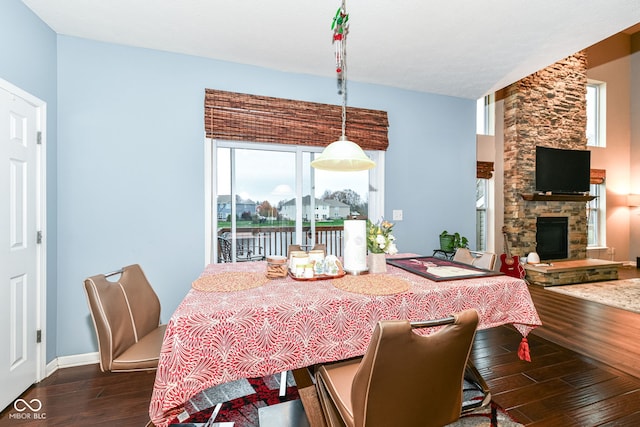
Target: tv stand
<point>556,197</point>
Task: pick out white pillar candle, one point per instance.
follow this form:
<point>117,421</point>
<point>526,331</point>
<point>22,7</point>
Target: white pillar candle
<point>355,246</point>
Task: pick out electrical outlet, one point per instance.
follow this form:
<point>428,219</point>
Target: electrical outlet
<point>397,215</point>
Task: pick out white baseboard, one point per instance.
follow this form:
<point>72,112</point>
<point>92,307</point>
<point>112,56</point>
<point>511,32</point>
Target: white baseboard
<point>72,360</point>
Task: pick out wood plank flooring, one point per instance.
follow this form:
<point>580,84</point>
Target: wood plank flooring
<point>564,385</point>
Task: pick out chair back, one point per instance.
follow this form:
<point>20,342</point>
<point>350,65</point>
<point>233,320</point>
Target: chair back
<point>224,249</point>
<point>486,260</point>
<point>123,311</point>
<point>464,256</point>
<point>406,379</point>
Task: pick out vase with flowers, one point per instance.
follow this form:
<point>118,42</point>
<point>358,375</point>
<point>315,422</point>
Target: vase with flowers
<point>380,241</point>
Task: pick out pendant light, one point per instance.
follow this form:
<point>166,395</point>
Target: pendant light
<point>342,155</point>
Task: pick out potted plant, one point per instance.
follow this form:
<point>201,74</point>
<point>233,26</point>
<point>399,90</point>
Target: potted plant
<point>449,242</point>
<point>380,241</point>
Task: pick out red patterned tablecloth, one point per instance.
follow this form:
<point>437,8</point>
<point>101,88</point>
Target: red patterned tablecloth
<point>217,337</point>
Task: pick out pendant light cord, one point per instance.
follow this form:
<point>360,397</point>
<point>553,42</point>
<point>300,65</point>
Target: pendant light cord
<point>343,75</point>
<point>343,88</point>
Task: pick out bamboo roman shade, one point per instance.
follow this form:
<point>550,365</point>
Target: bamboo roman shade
<point>252,118</point>
<point>598,176</point>
<point>484,170</point>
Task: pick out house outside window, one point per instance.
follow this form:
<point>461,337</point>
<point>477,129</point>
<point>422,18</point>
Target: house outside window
<point>596,114</point>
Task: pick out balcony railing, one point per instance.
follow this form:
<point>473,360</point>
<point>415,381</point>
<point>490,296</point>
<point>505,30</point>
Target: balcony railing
<point>266,241</point>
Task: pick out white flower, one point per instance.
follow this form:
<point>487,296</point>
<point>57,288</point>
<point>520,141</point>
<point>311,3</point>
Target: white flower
<point>392,249</point>
<point>379,238</point>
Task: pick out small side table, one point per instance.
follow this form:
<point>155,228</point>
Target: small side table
<point>440,253</point>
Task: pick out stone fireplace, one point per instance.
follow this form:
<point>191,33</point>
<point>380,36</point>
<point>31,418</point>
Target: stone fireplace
<point>546,108</point>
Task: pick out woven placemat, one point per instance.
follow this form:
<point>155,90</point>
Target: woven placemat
<point>229,282</point>
<point>372,284</point>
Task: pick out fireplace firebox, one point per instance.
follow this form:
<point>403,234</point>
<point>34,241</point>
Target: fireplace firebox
<point>552,239</point>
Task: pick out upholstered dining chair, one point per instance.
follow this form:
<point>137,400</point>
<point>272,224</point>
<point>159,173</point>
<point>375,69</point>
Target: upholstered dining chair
<point>486,260</point>
<point>403,379</point>
<point>126,317</point>
<point>464,256</point>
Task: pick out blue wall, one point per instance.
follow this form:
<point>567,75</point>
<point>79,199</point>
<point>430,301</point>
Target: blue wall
<point>28,61</point>
<point>130,167</point>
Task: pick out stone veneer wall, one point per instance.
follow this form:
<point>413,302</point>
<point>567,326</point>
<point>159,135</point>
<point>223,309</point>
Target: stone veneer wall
<point>546,108</point>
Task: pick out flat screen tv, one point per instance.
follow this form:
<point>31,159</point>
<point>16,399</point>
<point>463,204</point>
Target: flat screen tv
<point>562,171</point>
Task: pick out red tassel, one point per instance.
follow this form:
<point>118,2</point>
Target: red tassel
<point>523,350</point>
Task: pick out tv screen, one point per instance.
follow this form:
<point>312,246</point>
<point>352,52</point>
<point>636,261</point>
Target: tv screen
<point>562,171</point>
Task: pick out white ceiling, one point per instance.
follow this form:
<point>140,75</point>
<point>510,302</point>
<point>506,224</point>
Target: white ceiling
<point>464,48</point>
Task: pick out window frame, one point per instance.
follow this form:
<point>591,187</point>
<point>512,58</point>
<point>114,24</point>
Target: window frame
<point>599,191</point>
<point>482,220</point>
<point>599,114</point>
<point>375,196</point>
<point>486,115</point>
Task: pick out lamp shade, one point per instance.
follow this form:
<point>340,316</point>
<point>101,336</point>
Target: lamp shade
<point>343,155</point>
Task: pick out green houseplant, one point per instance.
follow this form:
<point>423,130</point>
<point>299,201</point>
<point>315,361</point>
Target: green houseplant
<point>451,241</point>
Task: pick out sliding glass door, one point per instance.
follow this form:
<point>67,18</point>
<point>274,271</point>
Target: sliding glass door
<point>265,197</point>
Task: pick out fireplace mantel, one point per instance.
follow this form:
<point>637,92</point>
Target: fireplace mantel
<point>534,197</point>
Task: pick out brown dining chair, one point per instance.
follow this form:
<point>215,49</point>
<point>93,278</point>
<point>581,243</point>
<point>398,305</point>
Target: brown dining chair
<point>126,317</point>
<point>404,379</point>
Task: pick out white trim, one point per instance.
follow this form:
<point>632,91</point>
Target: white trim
<point>41,219</point>
<point>600,113</point>
<point>376,186</point>
<point>299,192</point>
<point>210,220</point>
<point>72,361</point>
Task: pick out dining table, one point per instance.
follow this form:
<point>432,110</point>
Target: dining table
<point>235,323</point>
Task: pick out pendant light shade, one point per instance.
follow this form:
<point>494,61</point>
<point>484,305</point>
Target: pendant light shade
<point>342,155</point>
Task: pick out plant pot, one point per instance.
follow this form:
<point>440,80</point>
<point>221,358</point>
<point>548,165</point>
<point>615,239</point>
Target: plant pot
<point>446,242</point>
<point>377,263</point>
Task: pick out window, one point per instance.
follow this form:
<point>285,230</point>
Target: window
<point>484,209</point>
<point>481,214</point>
<point>596,114</point>
<point>596,217</point>
<point>485,115</point>
<point>264,197</point>
<point>248,151</point>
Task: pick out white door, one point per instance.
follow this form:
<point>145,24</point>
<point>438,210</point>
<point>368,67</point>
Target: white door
<point>19,250</point>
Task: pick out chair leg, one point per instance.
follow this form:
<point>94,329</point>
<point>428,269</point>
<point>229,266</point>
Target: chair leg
<point>283,383</point>
<point>494,416</point>
<point>212,418</point>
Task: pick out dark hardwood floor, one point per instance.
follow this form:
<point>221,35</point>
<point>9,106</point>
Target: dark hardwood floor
<point>583,358</point>
<point>563,385</point>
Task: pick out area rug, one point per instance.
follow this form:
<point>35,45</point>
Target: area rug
<point>624,294</point>
<point>261,392</point>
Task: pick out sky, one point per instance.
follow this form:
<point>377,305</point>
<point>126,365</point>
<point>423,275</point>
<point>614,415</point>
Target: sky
<point>255,183</point>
